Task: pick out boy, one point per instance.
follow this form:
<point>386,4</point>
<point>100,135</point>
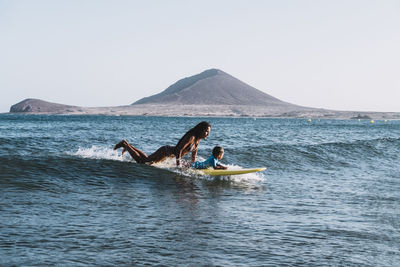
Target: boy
<point>212,161</point>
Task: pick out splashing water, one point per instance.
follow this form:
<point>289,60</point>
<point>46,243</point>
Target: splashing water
<point>102,152</point>
<point>99,152</point>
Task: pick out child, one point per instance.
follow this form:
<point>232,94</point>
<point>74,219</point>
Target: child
<point>212,161</point>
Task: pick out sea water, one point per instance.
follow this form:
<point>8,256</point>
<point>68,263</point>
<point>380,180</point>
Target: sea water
<point>330,195</point>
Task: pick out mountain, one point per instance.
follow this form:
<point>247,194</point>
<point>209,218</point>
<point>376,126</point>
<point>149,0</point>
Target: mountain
<point>212,87</point>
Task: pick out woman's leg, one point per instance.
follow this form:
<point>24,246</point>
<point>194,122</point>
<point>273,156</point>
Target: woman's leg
<point>138,151</point>
<point>161,153</point>
<point>138,155</point>
<point>141,157</point>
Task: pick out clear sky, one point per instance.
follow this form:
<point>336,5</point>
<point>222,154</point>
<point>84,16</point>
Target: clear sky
<point>339,54</point>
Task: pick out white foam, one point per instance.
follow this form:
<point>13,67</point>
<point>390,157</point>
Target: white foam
<point>99,152</point>
<point>170,164</point>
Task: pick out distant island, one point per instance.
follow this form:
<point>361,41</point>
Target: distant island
<point>210,93</point>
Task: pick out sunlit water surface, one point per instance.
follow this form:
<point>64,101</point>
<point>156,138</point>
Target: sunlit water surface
<point>330,195</point>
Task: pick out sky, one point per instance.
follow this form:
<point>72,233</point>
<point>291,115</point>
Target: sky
<point>341,54</point>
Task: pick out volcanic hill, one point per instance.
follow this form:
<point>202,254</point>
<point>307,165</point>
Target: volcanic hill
<point>31,105</point>
<point>212,87</point>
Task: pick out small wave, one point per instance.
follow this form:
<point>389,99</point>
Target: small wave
<point>325,155</point>
<point>99,152</point>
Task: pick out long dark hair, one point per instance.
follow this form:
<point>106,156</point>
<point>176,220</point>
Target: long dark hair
<point>197,130</point>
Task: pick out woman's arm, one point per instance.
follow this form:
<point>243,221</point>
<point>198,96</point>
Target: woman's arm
<point>194,154</point>
<point>181,148</point>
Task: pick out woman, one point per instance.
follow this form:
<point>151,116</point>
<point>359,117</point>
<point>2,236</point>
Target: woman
<point>188,143</point>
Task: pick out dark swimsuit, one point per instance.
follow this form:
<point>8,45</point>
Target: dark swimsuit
<point>191,148</point>
<point>170,150</point>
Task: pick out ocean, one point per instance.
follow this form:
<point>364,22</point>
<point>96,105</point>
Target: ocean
<point>330,195</point>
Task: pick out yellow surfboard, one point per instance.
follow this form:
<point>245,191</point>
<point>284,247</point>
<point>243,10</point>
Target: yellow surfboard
<point>230,172</point>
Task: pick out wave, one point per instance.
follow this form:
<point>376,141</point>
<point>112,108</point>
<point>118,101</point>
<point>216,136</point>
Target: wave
<point>169,164</point>
<point>327,156</point>
<point>102,161</point>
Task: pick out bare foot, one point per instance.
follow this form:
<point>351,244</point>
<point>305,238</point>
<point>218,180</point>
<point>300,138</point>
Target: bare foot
<point>120,144</point>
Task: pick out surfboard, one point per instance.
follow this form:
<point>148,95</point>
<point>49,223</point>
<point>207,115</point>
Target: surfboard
<point>213,172</point>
